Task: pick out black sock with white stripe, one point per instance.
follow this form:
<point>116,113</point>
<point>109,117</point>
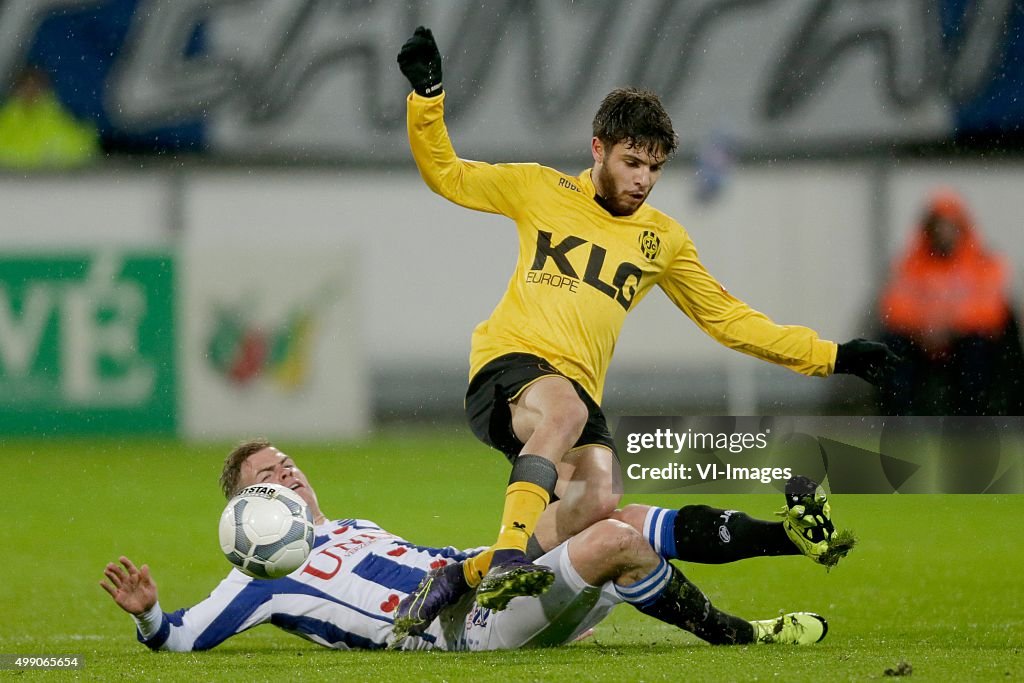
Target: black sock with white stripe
<point>668,596</point>
<point>698,533</point>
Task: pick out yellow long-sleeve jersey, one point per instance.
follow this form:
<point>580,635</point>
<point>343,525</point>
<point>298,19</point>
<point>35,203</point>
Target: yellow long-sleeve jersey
<point>581,270</point>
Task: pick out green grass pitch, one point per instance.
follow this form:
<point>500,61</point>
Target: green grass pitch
<point>935,582</point>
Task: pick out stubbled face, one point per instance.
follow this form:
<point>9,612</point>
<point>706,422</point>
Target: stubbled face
<point>271,466</point>
<point>624,175</point>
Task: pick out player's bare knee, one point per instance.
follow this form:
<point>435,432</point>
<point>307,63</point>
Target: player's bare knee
<point>603,551</point>
<point>615,540</point>
<point>626,545</point>
<point>633,515</point>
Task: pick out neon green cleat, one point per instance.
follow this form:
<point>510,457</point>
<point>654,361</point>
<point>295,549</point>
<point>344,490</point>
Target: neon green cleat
<point>807,519</point>
<point>516,578</point>
<point>795,628</point>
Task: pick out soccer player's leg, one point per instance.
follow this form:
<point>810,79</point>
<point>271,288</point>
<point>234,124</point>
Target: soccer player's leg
<point>700,533</point>
<point>504,572</point>
<point>578,599</point>
<point>585,496</point>
<point>585,493</point>
<point>589,477</point>
<point>547,417</point>
<point>659,589</point>
<point>608,563</point>
<point>616,556</point>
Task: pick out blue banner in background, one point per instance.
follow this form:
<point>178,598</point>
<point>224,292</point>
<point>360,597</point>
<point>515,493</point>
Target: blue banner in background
<point>78,45</point>
<point>996,106</point>
<point>296,79</point>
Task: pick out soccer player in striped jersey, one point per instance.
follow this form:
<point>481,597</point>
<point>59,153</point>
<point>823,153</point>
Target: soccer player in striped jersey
<point>346,593</point>
<point>590,249</point>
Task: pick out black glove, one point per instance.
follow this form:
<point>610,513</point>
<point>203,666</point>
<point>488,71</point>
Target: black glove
<point>871,361</point>
<point>420,62</point>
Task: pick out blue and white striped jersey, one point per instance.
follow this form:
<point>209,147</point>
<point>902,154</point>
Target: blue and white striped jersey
<point>344,596</point>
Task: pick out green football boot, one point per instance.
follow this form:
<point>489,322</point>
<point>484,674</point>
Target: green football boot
<point>516,578</point>
<point>795,628</point>
<point>807,519</point>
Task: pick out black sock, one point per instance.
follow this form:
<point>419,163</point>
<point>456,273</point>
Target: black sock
<point>712,536</point>
<point>682,604</point>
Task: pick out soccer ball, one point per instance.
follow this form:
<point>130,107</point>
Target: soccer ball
<point>266,531</point>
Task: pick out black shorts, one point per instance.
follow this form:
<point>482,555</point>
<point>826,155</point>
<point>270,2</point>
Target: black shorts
<point>500,382</point>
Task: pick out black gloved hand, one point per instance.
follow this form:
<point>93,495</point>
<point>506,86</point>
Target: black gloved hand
<point>871,361</point>
<point>420,62</point>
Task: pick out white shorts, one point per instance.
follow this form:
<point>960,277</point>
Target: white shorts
<point>566,610</point>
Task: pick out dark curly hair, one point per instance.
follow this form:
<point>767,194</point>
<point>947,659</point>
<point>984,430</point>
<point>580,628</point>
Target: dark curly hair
<point>638,118</point>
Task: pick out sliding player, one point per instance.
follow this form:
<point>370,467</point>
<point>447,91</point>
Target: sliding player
<point>345,595</point>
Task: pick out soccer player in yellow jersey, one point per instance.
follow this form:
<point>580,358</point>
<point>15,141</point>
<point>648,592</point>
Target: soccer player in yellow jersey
<point>590,249</point>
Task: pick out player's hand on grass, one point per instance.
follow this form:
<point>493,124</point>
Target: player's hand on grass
<point>420,62</point>
<point>132,588</point>
<point>871,361</point>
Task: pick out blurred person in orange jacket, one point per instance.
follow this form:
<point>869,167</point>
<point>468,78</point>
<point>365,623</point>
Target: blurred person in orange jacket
<point>947,311</point>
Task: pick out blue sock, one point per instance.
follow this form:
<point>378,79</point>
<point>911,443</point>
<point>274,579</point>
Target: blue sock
<point>660,531</point>
<point>648,589</point>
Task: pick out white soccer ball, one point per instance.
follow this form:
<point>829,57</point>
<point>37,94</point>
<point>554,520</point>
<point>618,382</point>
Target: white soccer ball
<point>266,531</point>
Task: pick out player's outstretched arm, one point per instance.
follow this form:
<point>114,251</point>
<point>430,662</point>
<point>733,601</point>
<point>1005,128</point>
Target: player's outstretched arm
<point>871,361</point>
<point>494,188</point>
<point>133,590</point>
<point>131,587</point>
<point>733,323</point>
